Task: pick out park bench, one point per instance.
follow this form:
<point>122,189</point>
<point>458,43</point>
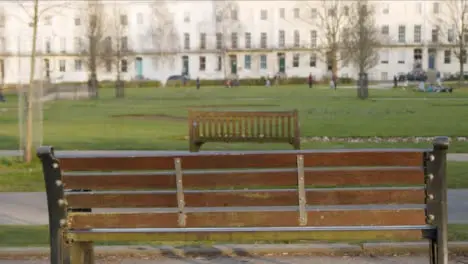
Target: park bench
<point>243,126</point>
<point>245,196</point>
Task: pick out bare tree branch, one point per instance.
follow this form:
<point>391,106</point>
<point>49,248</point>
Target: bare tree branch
<point>328,17</point>
<point>361,37</point>
<point>164,33</point>
<point>452,26</point>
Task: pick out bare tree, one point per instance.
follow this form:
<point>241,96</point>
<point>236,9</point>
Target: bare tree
<point>452,23</point>
<point>116,46</point>
<point>34,13</point>
<point>164,33</point>
<point>361,39</point>
<point>328,17</point>
<point>90,40</point>
<point>228,29</point>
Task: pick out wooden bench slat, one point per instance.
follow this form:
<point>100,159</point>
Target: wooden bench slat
<point>248,219</point>
<point>248,236</point>
<point>220,198</point>
<point>250,179</point>
<point>246,160</point>
<point>194,179</point>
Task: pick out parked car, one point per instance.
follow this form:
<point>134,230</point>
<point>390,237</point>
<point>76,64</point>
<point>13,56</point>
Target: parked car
<point>177,80</point>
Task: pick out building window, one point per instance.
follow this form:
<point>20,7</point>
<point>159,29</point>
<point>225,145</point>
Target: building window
<point>202,63</point>
<point>463,56</point>
<point>401,57</point>
<point>78,44</point>
<point>450,35</point>
<point>401,34</point>
<point>78,65</point>
<point>48,47</point>
<point>108,65</point>
<point>219,41</point>
<point>295,62</point>
<point>417,33</point>
<point>346,10</point>
<point>282,13</point>
<point>63,45</point>
<point>263,14</point>
<point>2,44</point>
<point>419,8</point>
<point>248,40</point>
<point>202,41</point>
<point>140,18</point>
<point>435,35</point>
<point>108,44</point>
<point>247,62</point>
<point>447,56</point>
<point>48,20</point>
<point>234,14</point>
<point>124,43</point>
<point>296,12</point>
<point>62,66</point>
<point>219,65</point>
<point>263,40</point>
<point>313,60</point>
<point>297,38</point>
<point>123,65</point>
<point>313,38</point>
<point>187,18</point>
<point>344,60</point>
<point>386,8</point>
<point>2,21</point>
<point>313,13</point>
<point>384,57</point>
<point>385,30</point>
<point>281,39</point>
<point>436,8</point>
<point>77,21</point>
<point>186,41</point>
<point>234,40</point>
<point>123,20</point>
<point>384,76</point>
<point>263,62</point>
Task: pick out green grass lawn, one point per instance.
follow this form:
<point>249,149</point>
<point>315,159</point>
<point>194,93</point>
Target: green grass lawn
<point>16,176</point>
<point>24,236</point>
<point>92,124</point>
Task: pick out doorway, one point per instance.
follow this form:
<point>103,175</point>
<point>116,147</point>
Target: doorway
<point>281,62</point>
<point>185,65</point>
<point>432,58</point>
<point>47,69</point>
<point>233,63</point>
<point>139,67</point>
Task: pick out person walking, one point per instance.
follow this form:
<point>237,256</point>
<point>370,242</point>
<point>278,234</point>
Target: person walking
<point>311,80</point>
<point>197,82</point>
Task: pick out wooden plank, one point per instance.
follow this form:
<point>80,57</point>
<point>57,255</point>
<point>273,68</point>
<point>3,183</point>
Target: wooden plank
<point>251,179</point>
<point>239,237</point>
<point>248,219</point>
<point>245,198</point>
<point>224,160</point>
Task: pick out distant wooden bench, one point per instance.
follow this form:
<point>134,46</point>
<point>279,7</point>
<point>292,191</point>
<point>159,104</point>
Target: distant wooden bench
<point>323,203</point>
<point>243,126</point>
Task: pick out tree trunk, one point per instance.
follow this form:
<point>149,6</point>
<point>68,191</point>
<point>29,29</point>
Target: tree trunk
<point>29,120</point>
<point>461,61</point>
<point>93,83</point>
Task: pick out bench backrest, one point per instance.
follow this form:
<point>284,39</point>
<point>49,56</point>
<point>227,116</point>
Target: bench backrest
<point>311,188</point>
<point>242,126</point>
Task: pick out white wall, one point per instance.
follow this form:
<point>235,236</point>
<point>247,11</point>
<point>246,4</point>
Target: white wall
<point>18,36</point>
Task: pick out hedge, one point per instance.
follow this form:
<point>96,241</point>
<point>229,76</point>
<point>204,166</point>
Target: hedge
<point>203,82</point>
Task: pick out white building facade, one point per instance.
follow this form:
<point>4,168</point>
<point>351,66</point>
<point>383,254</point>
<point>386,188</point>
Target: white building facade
<point>211,40</point>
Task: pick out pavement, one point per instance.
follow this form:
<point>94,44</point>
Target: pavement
<point>382,253</point>
<point>30,208</point>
